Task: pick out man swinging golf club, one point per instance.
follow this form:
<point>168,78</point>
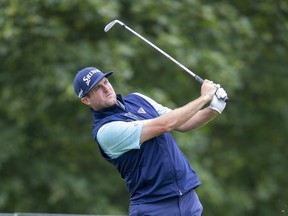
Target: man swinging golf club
<point>133,133</point>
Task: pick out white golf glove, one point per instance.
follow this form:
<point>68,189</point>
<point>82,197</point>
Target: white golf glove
<point>218,104</point>
<point>221,93</point>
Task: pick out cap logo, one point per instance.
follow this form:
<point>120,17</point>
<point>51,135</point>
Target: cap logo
<point>80,93</point>
<point>87,78</point>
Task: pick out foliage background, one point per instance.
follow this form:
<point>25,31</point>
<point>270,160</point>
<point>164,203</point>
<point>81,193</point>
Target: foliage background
<point>48,160</point>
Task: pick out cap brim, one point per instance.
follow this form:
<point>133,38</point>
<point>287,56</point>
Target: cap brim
<point>108,73</point>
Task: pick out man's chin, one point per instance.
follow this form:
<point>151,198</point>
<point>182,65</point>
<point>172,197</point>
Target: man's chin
<point>111,102</point>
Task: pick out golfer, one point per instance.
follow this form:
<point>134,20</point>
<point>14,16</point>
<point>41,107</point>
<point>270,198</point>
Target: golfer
<point>133,133</point>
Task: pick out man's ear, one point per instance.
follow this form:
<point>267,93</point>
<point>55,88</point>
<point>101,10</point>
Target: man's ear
<point>86,101</point>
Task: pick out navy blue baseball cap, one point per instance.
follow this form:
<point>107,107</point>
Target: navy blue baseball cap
<point>86,79</point>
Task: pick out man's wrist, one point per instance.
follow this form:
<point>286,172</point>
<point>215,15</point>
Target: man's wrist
<point>205,98</point>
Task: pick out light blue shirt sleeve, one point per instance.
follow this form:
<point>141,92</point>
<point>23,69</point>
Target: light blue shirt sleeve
<point>118,137</point>
<point>158,107</point>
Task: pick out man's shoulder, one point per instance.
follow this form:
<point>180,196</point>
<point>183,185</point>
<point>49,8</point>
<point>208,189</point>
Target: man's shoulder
<point>136,94</point>
<point>139,95</point>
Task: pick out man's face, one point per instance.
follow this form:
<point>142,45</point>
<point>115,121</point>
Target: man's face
<point>100,96</point>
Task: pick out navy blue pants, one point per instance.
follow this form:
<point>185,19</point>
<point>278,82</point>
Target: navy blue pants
<point>186,205</point>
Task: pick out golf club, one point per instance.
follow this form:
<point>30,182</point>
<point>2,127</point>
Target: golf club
<point>196,77</point>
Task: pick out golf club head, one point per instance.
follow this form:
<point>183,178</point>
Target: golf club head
<point>111,24</point>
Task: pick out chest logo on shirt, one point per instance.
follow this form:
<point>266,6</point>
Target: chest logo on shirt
<point>141,110</point>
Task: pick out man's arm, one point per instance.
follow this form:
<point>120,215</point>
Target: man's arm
<point>174,119</point>
<point>204,116</point>
<point>201,118</point>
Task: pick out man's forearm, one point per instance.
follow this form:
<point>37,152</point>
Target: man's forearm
<point>201,118</point>
<point>181,115</point>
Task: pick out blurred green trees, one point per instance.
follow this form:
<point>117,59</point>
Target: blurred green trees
<point>48,159</point>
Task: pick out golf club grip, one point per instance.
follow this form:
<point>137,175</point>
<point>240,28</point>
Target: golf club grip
<point>199,79</point>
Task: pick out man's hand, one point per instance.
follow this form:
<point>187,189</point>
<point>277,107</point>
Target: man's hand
<point>221,93</point>
<point>208,89</point>
<point>218,104</point>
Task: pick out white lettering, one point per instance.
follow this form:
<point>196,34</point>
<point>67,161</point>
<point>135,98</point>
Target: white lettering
<point>87,78</point>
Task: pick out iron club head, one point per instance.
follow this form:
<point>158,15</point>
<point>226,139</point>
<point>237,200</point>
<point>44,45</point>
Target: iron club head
<point>111,24</point>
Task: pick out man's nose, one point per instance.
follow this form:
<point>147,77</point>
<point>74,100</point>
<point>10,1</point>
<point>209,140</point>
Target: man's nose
<point>105,88</point>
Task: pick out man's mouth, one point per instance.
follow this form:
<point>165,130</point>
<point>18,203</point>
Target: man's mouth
<point>109,94</point>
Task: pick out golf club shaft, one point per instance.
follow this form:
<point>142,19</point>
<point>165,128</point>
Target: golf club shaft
<point>110,25</point>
